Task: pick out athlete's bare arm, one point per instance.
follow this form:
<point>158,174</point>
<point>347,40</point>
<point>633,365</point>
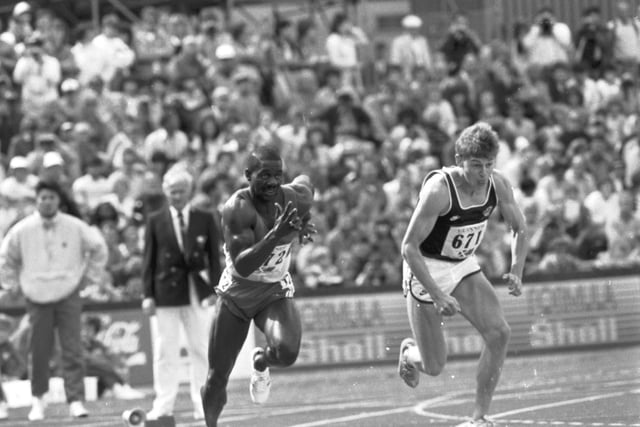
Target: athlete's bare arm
<point>434,201</point>
<point>520,240</point>
<point>239,219</point>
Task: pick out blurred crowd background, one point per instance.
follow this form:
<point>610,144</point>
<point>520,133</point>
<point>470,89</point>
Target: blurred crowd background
<point>107,111</point>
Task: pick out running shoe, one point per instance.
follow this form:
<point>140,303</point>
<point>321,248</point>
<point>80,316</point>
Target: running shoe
<point>409,373</point>
<point>260,385</point>
<point>481,422</point>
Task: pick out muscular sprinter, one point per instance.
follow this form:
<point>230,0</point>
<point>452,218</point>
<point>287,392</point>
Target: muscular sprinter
<point>441,276</point>
<point>260,224</point>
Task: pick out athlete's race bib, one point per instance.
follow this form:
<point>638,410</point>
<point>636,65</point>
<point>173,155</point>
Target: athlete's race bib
<point>276,266</point>
<point>462,241</point>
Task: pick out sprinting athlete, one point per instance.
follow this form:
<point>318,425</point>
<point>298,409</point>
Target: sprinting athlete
<point>260,224</point>
<point>441,276</point>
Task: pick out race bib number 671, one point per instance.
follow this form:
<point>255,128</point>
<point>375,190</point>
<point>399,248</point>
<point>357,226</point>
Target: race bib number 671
<point>462,241</point>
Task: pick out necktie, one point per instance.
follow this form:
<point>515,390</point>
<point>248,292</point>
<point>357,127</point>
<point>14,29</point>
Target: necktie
<point>183,229</point>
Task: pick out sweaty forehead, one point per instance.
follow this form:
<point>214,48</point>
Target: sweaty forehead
<point>268,165</point>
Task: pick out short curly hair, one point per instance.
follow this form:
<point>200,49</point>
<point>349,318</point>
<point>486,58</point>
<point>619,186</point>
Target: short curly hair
<point>478,140</point>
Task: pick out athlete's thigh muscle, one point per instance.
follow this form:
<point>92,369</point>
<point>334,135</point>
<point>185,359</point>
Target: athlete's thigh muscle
<point>479,303</point>
<point>426,325</point>
<point>228,333</point>
<point>280,323</point>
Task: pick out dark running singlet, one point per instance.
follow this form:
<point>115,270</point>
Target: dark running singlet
<point>457,233</point>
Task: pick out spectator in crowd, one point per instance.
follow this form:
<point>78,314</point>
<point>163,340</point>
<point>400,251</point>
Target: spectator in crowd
<point>92,187</point>
<point>625,34</point>
<point>411,49</point>
<point>623,229</point>
<point>341,45</point>
<point>592,41</point>
<point>48,256</point>
<point>39,75</point>
<point>102,363</point>
<point>548,42</point>
<point>20,184</point>
<point>20,28</point>
<point>181,261</point>
<point>459,41</point>
<point>108,53</point>
<point>167,139</point>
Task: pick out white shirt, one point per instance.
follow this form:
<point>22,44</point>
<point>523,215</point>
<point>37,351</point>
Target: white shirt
<point>176,223</point>
<point>89,192</point>
<point>627,40</point>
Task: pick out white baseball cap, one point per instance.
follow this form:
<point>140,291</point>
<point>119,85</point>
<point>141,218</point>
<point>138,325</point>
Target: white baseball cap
<point>52,158</point>
<point>20,8</point>
<point>18,162</point>
<point>225,51</point>
<point>411,21</point>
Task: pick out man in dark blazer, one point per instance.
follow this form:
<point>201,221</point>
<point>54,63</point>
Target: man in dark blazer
<point>181,267</point>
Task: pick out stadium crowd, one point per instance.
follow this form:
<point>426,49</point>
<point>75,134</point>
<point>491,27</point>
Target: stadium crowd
<point>107,111</point>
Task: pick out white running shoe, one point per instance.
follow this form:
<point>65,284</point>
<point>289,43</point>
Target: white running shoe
<point>260,385</point>
<point>481,422</point>
<point>409,373</point>
<point>4,410</point>
<point>38,406</point>
<point>77,410</point>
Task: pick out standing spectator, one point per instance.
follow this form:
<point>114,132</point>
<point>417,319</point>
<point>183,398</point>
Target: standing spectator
<point>459,41</point>
<point>110,53</point>
<point>548,42</point>
<point>151,44</point>
<point>625,36</point>
<point>39,74</point>
<point>592,41</point>
<point>50,256</point>
<point>342,49</point>
<point>181,265</point>
<point>411,49</point>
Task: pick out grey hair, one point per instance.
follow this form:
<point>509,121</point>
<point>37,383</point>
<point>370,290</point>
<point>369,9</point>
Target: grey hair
<point>175,175</point>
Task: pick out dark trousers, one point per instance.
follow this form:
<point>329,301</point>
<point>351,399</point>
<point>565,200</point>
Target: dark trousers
<point>65,317</point>
<point>105,372</point>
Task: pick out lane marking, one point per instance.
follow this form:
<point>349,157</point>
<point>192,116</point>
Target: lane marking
<point>373,414</point>
<point>560,403</point>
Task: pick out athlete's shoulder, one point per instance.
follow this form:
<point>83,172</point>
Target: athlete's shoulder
<point>500,181</point>
<point>436,183</point>
<point>239,205</point>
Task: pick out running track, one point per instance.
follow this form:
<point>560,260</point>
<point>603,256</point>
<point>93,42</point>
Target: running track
<point>590,389</point>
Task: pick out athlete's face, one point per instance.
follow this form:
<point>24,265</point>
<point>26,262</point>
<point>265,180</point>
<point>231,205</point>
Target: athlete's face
<point>267,179</point>
<point>477,171</point>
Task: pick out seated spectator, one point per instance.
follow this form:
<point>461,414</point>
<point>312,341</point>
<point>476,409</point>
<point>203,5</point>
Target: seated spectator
<point>107,367</point>
<point>623,229</point>
<point>559,258</point>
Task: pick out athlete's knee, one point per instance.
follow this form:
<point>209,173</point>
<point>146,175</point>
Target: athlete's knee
<point>498,335</point>
<point>284,355</point>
